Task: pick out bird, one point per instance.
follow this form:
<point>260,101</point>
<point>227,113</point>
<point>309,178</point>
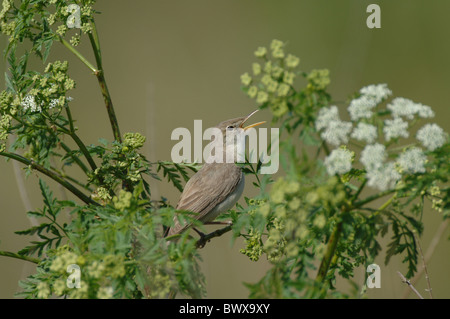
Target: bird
<point>218,185</point>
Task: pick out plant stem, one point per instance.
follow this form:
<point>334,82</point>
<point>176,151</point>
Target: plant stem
<point>78,54</point>
<point>409,284</point>
<point>17,256</point>
<point>424,266</point>
<point>109,106</point>
<point>95,43</point>
<point>99,73</point>
<point>329,253</point>
<point>56,177</point>
<point>75,158</point>
<point>373,197</point>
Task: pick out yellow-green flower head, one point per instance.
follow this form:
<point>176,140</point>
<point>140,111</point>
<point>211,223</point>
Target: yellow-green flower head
<point>279,109</point>
<point>246,79</point>
<point>59,287</point>
<point>253,250</point>
<point>276,45</point>
<point>289,78</point>
<point>60,263</point>
<point>268,67</point>
<point>320,221</point>
<point>262,97</point>
<point>266,79</point>
<point>319,79</point>
<point>86,27</point>
<point>294,203</point>
<point>80,293</point>
<point>278,191</point>
<point>256,68</point>
<point>105,293</point>
<point>264,209</point>
<point>292,61</point>
<point>302,231</point>
<point>278,54</point>
<point>292,187</point>
<point>61,30</point>
<point>96,269</point>
<point>5,123</point>
<point>133,140</point>
<point>277,72</point>
<point>260,52</point>
<point>272,86</point>
<point>280,211</point>
<point>252,91</point>
<point>123,200</point>
<point>283,89</point>
<point>43,290</point>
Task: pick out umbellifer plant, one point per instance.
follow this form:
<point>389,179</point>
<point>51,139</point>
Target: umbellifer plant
<point>313,223</point>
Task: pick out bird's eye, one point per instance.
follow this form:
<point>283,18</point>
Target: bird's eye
<point>229,127</point>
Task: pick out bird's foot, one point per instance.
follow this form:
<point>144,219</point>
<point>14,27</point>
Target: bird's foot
<point>201,242</point>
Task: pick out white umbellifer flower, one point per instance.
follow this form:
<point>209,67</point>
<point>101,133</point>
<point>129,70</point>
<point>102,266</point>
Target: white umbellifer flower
<point>378,92</point>
<point>395,128</point>
<point>53,103</point>
<point>373,156</point>
<point>325,116</point>
<point>339,161</point>
<point>384,177</point>
<point>365,132</point>
<point>408,109</point>
<point>337,132</point>
<point>424,111</point>
<point>361,107</point>
<point>432,136</point>
<point>412,160</point>
<point>30,103</point>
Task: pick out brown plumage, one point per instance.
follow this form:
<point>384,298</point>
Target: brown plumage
<point>216,187</point>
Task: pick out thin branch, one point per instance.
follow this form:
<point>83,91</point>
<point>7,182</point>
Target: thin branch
<point>424,266</point>
<point>429,253</point>
<point>404,280</point>
<point>79,55</point>
<point>55,176</point>
<point>206,238</point>
<point>21,257</point>
<point>329,253</point>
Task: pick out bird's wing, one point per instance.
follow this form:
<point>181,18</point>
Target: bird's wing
<point>207,188</point>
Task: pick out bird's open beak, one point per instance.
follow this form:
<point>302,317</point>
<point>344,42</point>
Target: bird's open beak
<point>250,126</point>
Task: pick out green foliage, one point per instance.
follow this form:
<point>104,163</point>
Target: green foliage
<point>313,223</point>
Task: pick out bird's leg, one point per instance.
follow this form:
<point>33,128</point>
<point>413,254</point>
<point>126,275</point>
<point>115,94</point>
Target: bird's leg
<point>202,235</point>
<point>201,242</point>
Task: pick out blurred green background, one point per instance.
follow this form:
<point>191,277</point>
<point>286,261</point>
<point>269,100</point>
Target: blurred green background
<point>169,62</point>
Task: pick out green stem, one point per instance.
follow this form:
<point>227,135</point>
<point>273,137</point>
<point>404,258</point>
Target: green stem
<point>22,257</point>
<point>56,177</point>
<point>359,190</point>
<point>78,54</point>
<point>95,43</point>
<point>373,197</point>
<point>99,73</point>
<point>109,106</point>
<point>75,158</point>
<point>80,144</point>
<point>329,253</point>
<point>330,257</point>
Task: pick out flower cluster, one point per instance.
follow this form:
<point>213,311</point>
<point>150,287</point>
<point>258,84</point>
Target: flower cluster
<point>272,78</point>
<point>96,274</point>
<point>48,90</point>
<point>5,123</point>
<point>367,124</point>
<point>288,218</point>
